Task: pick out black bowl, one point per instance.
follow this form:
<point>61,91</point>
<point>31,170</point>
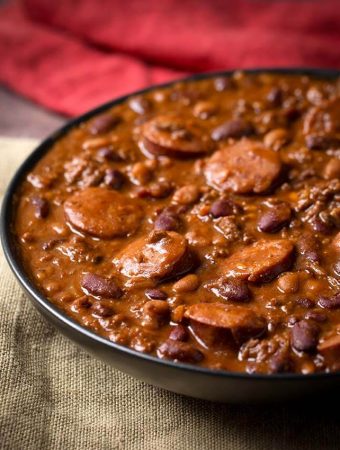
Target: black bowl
<point>185,379</point>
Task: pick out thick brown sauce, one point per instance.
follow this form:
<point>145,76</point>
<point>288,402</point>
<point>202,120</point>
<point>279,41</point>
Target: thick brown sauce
<point>264,260</point>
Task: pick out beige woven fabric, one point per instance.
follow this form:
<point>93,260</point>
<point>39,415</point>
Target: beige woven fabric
<point>54,396</point>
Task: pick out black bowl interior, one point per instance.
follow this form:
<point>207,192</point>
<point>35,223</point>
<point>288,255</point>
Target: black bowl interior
<point>101,346</point>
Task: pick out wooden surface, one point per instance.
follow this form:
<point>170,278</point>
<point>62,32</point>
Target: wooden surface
<point>21,118</point>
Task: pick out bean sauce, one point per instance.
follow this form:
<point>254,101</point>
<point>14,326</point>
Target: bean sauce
<point>198,223</point>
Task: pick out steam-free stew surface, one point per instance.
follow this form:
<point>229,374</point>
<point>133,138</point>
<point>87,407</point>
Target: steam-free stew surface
<point>198,223</point>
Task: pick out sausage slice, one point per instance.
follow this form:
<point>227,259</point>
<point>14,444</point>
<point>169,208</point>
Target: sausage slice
<point>162,255</point>
<point>175,136</point>
<point>217,324</point>
<point>261,261</point>
<point>103,213</point>
<point>244,167</point>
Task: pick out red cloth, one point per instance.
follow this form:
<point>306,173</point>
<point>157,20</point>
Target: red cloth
<point>71,55</point>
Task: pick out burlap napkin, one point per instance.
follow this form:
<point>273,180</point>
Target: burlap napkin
<point>54,396</point>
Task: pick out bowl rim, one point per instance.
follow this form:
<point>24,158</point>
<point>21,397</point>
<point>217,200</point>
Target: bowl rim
<point>18,270</point>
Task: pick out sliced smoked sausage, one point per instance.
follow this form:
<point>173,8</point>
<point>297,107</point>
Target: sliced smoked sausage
<point>103,213</point>
<point>161,255</point>
<point>244,167</point>
<point>217,324</point>
<point>176,136</point>
<point>261,261</point>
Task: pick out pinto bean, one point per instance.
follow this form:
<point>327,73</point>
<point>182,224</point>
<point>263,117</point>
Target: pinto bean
<point>276,139</point>
<point>187,195</point>
<point>288,283</point>
<point>100,286</point>
<point>332,169</point>
<point>188,283</point>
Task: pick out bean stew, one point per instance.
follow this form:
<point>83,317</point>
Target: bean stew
<point>198,223</point>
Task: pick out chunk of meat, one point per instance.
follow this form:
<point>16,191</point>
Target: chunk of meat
<point>322,125</point>
<point>218,325</point>
<point>330,350</point>
<point>244,167</point>
<point>103,213</point>
<point>162,255</point>
<point>100,286</point>
<point>175,136</point>
<point>323,119</point>
<point>261,261</point>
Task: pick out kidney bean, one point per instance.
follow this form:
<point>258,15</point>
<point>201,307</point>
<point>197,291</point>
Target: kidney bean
<point>114,178</point>
<point>179,333</point>
<point>288,282</point>
<point>100,286</point>
<point>222,207</point>
<point>304,336</point>
<point>332,302</point>
<point>223,83</point>
<point>232,129</point>
<point>308,247</point>
<point>108,154</point>
<point>180,351</point>
<point>318,316</point>
<point>274,218</point>
<point>42,207</point>
<point>234,290</point>
<point>276,139</point>
<point>280,362</point>
<point>156,294</point>
<point>275,96</point>
<point>103,123</point>
<point>167,221</point>
<point>321,226</point>
<point>140,105</point>
<point>305,303</point>
<point>187,195</point>
<point>320,142</point>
